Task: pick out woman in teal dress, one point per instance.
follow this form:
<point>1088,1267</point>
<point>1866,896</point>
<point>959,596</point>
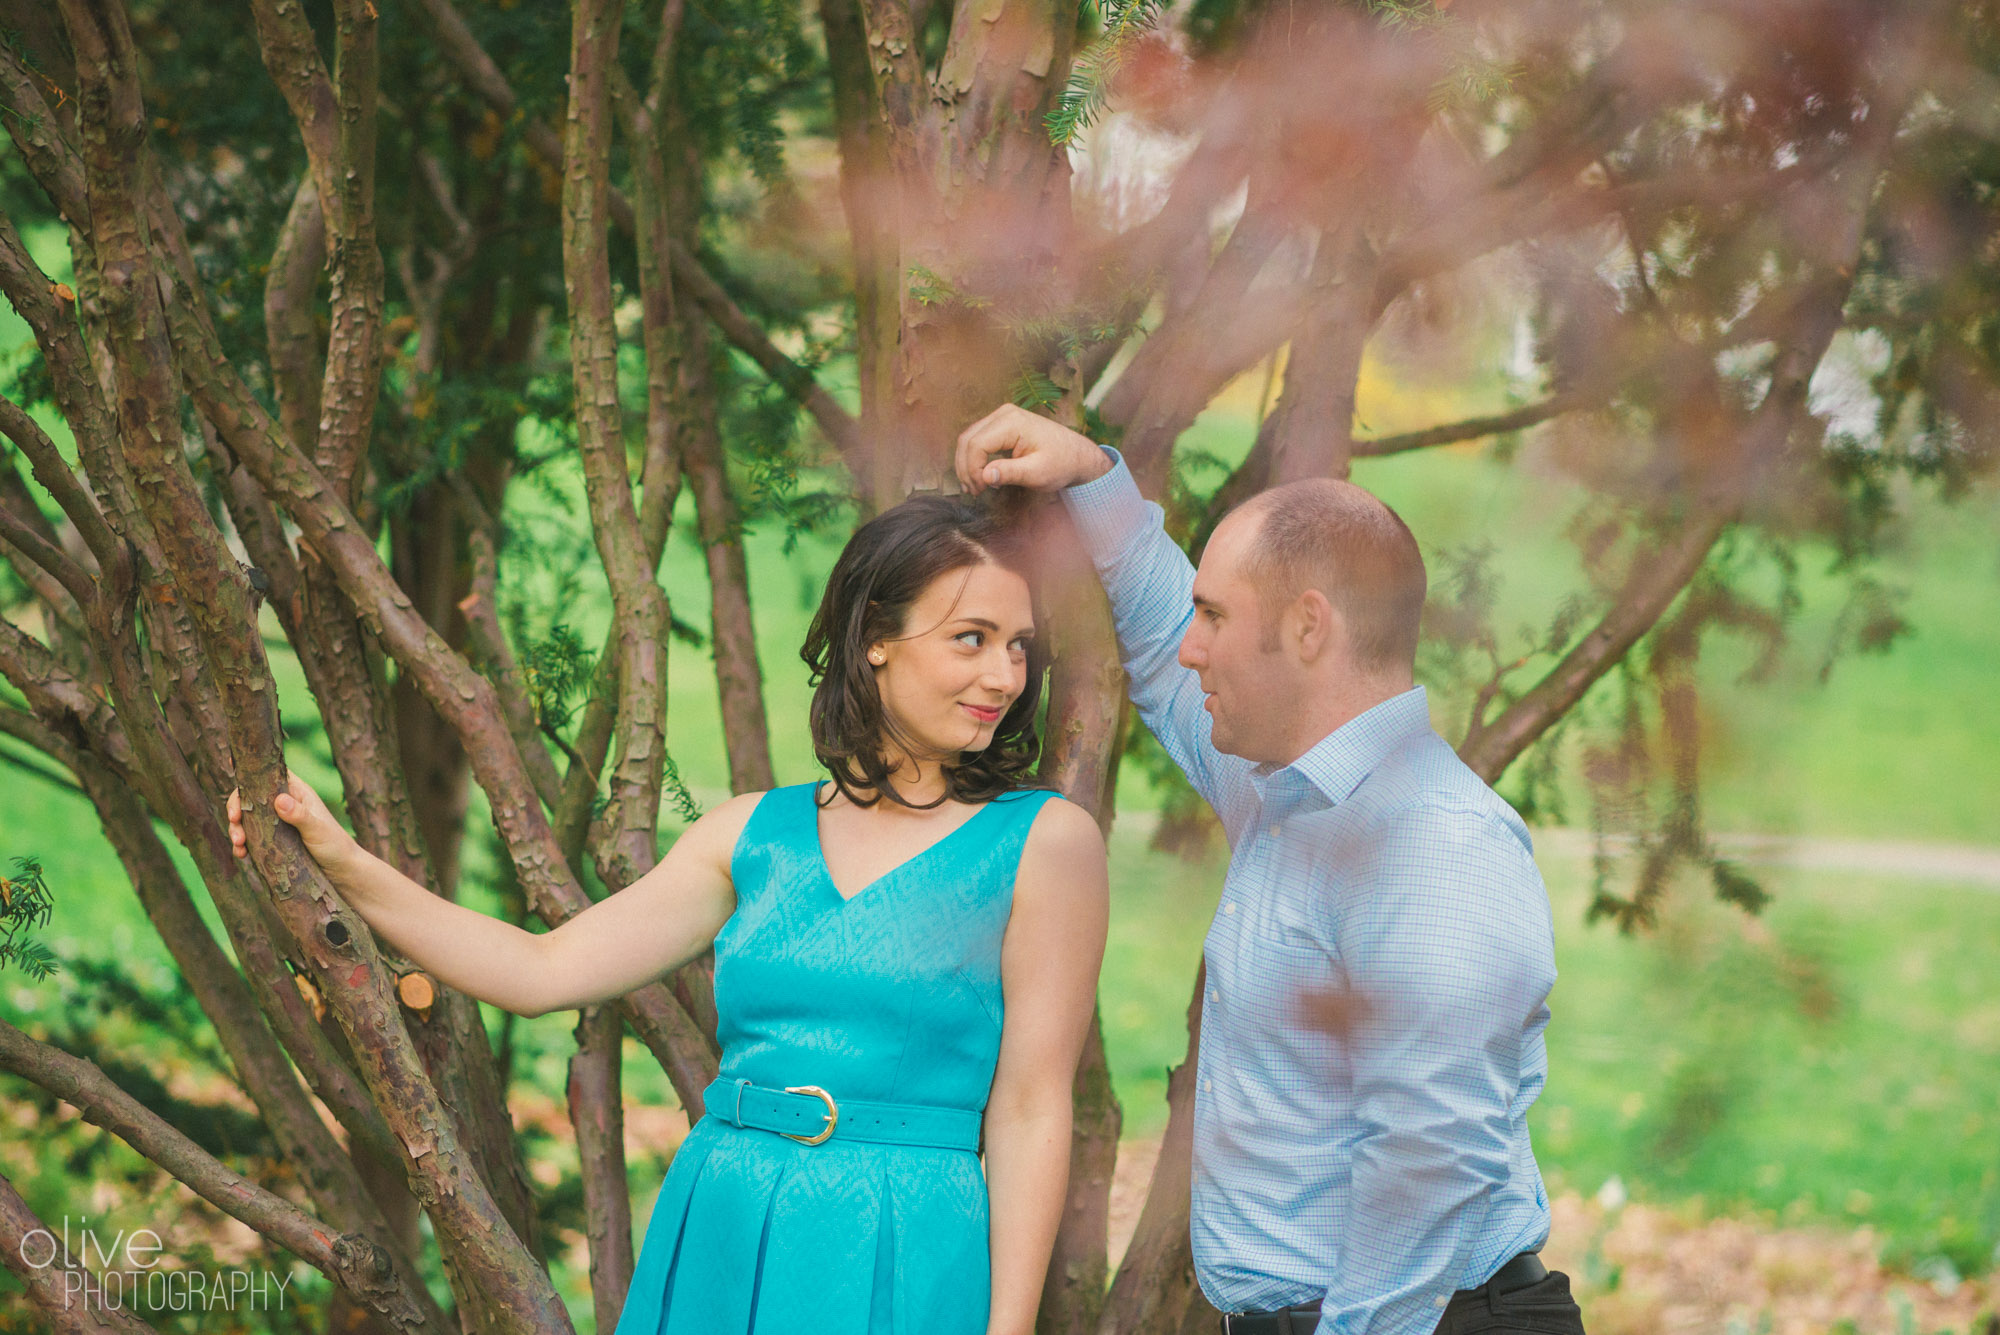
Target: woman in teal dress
<point>905,963</point>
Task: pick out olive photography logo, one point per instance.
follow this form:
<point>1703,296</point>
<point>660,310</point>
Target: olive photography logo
<point>113,1271</point>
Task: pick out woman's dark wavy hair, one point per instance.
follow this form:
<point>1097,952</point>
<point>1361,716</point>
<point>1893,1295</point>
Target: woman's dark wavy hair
<point>885,567</point>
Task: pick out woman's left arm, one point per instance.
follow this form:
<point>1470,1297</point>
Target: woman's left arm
<point>1048,975</point>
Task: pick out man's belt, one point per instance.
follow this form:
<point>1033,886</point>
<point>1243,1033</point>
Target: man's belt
<point>1519,1273</point>
<point>811,1116</point>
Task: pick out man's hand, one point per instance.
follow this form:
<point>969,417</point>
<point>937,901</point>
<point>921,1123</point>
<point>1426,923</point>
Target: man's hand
<point>1012,447</point>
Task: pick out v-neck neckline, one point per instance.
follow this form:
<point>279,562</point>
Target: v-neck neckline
<point>826,869</point>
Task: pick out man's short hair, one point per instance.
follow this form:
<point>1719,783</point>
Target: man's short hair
<point>1333,536</point>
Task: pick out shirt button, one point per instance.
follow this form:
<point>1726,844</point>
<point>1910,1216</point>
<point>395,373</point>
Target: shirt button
<point>1208,1086</point>
<point>1214,995</point>
<point>1228,910</point>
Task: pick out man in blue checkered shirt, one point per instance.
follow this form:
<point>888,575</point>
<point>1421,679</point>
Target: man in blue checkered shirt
<point>1379,965</point>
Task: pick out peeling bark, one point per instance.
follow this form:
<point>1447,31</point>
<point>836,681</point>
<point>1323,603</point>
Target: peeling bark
<point>596,1110</point>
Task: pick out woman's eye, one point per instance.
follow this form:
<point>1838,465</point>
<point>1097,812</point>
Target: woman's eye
<point>971,638</point>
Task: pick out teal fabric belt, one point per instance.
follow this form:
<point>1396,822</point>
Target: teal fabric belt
<point>812,1115</point>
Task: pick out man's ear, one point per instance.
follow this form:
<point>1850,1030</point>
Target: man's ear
<point>1315,625</point>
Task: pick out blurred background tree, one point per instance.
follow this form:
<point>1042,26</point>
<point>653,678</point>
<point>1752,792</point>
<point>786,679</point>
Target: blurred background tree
<point>370,342</point>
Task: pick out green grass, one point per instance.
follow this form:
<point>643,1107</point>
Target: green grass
<point>1837,1059</point>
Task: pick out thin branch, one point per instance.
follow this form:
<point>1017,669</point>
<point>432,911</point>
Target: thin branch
<point>839,425</point>
<point>1311,429</point>
<point>15,532</point>
<point>68,1294</point>
<point>1472,428</point>
<point>1155,1281</point>
<point>45,461</point>
<point>29,767</point>
<point>1197,350</point>
<point>39,135</point>
<point>640,605</point>
<point>481,611</point>
<point>290,338</point>
<point>53,693</point>
<point>596,1110</point>
<point>359,1266</point>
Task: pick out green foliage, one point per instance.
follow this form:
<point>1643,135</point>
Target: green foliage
<point>1094,72</point>
<point>931,288</point>
<point>677,793</point>
<point>1404,14</point>
<point>1034,391</point>
<point>1871,621</point>
<point>26,904</point>
<point>556,669</point>
<point>740,65</point>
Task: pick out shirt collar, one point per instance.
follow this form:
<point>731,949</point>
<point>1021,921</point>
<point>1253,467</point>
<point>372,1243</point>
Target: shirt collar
<point>1339,761</point>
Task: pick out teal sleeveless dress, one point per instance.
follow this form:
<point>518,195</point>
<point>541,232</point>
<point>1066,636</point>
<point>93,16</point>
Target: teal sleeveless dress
<point>892,996</point>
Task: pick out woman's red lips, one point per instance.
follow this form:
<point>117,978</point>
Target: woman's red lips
<point>984,714</point>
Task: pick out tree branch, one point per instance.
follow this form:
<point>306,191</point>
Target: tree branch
<point>639,605</point>
<point>39,135</point>
<point>1312,427</point>
<point>45,461</point>
<point>354,1262</point>
<point>1197,350</point>
<point>1155,1281</point>
<point>228,1001</point>
<point>16,533</point>
<point>1087,718</point>
<point>56,1285</point>
<point>1472,428</point>
<point>13,723</point>
<point>596,1110</point>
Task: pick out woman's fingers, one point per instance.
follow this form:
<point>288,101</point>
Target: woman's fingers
<point>235,808</point>
<point>299,807</point>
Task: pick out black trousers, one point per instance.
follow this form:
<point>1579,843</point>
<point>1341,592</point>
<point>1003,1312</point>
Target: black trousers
<point>1543,1308</point>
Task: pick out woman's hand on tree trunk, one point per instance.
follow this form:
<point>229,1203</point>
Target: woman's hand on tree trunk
<point>301,808</point>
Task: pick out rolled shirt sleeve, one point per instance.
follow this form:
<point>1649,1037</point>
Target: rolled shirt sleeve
<point>1447,942</point>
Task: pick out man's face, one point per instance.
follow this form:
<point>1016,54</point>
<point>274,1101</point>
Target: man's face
<point>1249,680</point>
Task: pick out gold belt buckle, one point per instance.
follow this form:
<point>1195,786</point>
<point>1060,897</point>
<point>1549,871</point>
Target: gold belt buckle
<point>832,1114</point>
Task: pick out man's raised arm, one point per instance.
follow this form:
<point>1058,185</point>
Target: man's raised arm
<point>1145,574</point>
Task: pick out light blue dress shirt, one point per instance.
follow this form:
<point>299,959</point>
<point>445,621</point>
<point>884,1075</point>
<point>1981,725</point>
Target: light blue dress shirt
<point>1378,1170</point>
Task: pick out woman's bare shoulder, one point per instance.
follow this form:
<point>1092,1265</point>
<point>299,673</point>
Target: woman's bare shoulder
<point>717,830</point>
<point>1063,830</point>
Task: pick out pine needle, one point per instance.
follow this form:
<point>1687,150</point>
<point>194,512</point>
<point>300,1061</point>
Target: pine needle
<point>1091,77</point>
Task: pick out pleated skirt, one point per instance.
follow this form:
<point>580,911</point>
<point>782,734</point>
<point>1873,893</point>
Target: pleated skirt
<point>757,1234</point>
